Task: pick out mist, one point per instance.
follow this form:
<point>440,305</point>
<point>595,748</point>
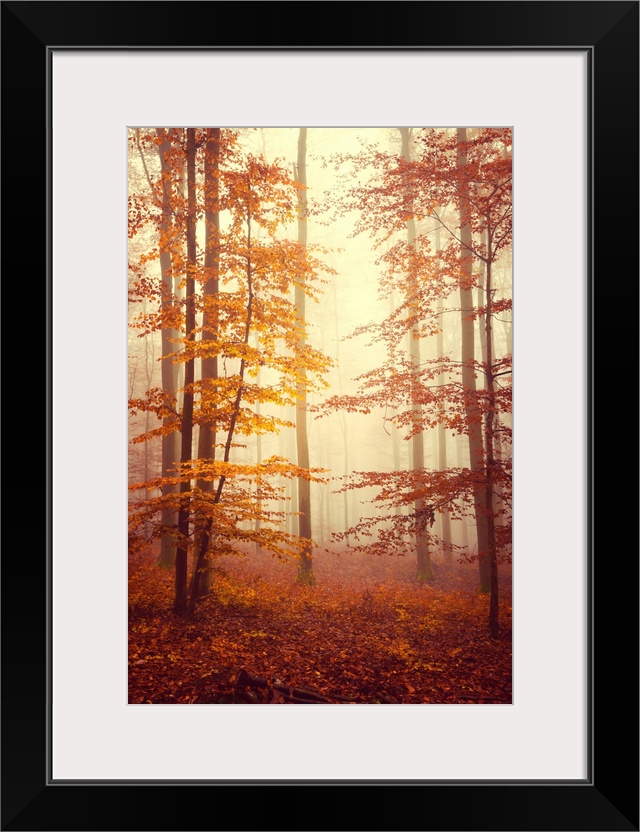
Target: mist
<point>320,399</point>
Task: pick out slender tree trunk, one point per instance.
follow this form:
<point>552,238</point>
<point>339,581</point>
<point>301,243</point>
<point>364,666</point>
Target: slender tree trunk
<point>425,570</point>
<point>341,415</point>
<point>445,518</point>
<point>287,449</point>
<point>328,510</point>
<point>180,288</point>
<point>395,447</point>
<point>472,412</point>
<point>498,491</point>
<point>482,302</point>
<point>305,571</point>
<point>482,299</point>
<point>292,505</point>
<point>194,588</point>
<point>180,602</point>
<point>209,374</point>
<point>464,530</point>
<point>258,461</point>
<point>319,489</point>
<point>149,355</point>
<point>395,437</point>
<point>488,442</point>
<point>170,441</point>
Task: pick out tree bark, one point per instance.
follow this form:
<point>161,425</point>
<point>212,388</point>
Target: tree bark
<point>180,602</point>
<point>291,506</point>
<point>425,570</point>
<point>342,418</point>
<point>209,373</point>
<point>258,460</point>
<point>445,518</point>
<point>305,570</point>
<point>488,442</point>
<point>194,589</point>
<point>464,530</point>
<point>472,414</point>
<point>149,360</point>
<point>170,441</point>
<point>482,302</point>
<point>395,436</point>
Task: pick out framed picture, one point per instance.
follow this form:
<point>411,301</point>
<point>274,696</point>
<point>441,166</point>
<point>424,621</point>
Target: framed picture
<point>564,77</point>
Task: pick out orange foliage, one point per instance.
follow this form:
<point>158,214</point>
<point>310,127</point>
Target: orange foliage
<point>366,633</point>
<point>255,330</point>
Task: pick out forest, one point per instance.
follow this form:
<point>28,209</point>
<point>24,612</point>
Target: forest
<point>319,406</point>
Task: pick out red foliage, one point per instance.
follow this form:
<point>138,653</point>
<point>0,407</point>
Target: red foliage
<point>366,633</point>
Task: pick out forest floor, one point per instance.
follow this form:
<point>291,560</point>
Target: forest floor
<point>365,633</point>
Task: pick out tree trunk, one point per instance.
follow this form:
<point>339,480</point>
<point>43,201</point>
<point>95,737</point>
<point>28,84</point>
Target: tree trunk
<point>488,442</point>
<point>180,602</point>
<point>342,418</point>
<point>291,506</point>
<point>305,570</point>
<point>149,356</point>
<point>482,302</point>
<point>194,589</point>
<point>395,436</point>
<point>170,441</point>
<point>425,571</point>
<point>445,518</point>
<point>258,461</point>
<point>464,530</point>
<point>319,491</point>
<point>472,412</point>
<point>207,435</point>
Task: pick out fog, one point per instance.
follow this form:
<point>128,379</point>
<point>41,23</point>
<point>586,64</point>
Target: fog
<point>319,415</point>
<point>359,288</point>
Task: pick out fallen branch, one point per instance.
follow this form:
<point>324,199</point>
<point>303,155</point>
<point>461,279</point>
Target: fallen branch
<point>296,695</point>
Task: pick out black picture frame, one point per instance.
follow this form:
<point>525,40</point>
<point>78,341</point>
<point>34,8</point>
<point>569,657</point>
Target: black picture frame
<point>608,798</point>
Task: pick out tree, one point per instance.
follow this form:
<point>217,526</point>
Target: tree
<point>305,573</point>
<point>449,176</point>
<point>481,185</point>
<point>467,357</point>
<point>445,516</point>
<point>180,603</point>
<point>425,571</point>
<point>399,386</point>
<point>210,288</point>
<point>216,493</point>
<point>160,197</point>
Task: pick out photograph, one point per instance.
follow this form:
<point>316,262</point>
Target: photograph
<point>284,266</point>
<point>319,400</point>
